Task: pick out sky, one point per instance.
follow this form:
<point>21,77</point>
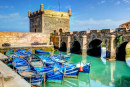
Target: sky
<point>92,14</point>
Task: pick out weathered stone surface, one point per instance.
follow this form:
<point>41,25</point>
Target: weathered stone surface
<point>125,25</point>
<point>107,36</point>
<point>46,21</point>
<point>28,48</point>
<point>23,39</point>
<point>11,78</point>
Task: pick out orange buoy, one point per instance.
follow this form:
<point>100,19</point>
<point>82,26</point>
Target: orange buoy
<point>80,69</point>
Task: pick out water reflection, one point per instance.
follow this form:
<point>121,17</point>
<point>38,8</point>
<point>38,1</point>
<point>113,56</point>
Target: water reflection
<point>128,60</point>
<point>84,55</point>
<point>103,54</point>
<point>102,73</point>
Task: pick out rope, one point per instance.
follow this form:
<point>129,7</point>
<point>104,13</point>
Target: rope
<point>70,82</point>
<point>71,69</point>
<point>71,72</point>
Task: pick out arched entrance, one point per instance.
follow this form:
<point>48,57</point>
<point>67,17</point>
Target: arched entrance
<point>60,30</point>
<point>63,47</point>
<point>121,51</point>
<point>75,47</point>
<point>35,30</point>
<point>96,47</point>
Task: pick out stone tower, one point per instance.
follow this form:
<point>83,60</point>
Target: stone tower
<point>46,21</point>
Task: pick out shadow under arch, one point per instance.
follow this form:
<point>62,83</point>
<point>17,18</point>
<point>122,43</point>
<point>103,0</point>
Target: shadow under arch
<point>63,47</point>
<point>121,51</point>
<point>75,47</point>
<point>95,48</point>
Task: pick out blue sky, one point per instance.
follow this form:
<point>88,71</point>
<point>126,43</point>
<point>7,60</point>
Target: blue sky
<point>92,14</point>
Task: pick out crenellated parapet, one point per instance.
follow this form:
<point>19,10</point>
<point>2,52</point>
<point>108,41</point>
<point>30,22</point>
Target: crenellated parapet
<point>46,21</point>
<point>50,13</point>
<point>123,31</point>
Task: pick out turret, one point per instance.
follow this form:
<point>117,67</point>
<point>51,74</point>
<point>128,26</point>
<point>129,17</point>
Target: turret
<point>42,8</point>
<point>69,11</point>
<point>29,13</point>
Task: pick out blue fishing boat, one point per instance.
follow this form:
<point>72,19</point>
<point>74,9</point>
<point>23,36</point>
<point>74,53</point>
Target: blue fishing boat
<point>68,68</point>
<point>51,73</point>
<point>24,69</point>
<point>60,55</point>
<point>67,56</point>
<point>56,75</point>
<point>41,51</point>
<point>50,70</point>
<point>71,70</point>
<point>23,52</point>
<point>11,55</point>
<point>84,67</point>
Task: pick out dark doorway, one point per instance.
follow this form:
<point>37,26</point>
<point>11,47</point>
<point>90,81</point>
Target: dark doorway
<point>60,30</point>
<point>75,47</point>
<point>63,47</point>
<point>35,30</point>
<point>94,48</point>
<point>121,51</point>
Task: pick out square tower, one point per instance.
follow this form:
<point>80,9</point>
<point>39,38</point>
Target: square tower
<point>46,21</point>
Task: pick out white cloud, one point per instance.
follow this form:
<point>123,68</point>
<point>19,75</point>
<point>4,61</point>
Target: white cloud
<point>10,16</point>
<point>127,1</point>
<point>15,22</point>
<point>11,6</point>
<point>96,24</point>
<point>102,2</point>
<point>50,7</point>
<point>92,6</point>
<point>15,17</point>
<point>6,6</point>
<point>118,2</point>
<point>67,7</point>
<point>128,9</point>
<point>25,20</point>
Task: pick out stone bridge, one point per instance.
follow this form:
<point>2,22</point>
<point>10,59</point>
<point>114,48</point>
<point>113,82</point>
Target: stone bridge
<point>85,40</point>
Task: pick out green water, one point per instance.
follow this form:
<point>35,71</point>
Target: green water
<point>103,73</point>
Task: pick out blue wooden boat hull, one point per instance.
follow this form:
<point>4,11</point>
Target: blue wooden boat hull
<point>22,52</point>
<point>86,68</point>
<point>50,74</point>
<point>35,81</point>
<point>41,51</point>
<point>19,63</point>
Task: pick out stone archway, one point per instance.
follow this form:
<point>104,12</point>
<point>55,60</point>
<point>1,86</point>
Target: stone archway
<point>121,51</point>
<point>60,30</point>
<point>96,47</point>
<point>63,47</point>
<point>75,47</point>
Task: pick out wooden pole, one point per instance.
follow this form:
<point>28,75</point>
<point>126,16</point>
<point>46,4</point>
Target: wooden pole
<point>44,78</point>
<point>59,5</point>
<point>41,80</point>
<point>30,80</point>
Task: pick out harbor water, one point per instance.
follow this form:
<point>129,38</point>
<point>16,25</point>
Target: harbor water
<point>103,73</point>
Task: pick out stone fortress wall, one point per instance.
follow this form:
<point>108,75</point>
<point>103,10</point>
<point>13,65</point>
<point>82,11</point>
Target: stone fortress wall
<point>46,21</point>
<point>42,23</point>
<point>107,36</point>
<point>23,39</point>
<point>125,25</point>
